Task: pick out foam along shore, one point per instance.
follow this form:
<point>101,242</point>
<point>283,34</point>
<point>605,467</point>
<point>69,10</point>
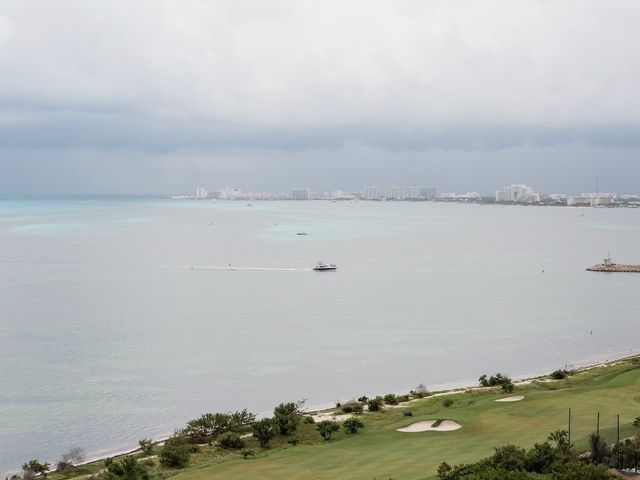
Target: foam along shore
<point>515,398</point>
<point>431,426</point>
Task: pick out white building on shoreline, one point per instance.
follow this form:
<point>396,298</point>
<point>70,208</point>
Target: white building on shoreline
<point>592,200</point>
<point>517,194</point>
<point>398,192</point>
<point>300,194</point>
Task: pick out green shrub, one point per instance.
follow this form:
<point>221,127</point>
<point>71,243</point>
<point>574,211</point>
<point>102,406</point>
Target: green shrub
<point>447,402</point>
<point>327,428</point>
<point>146,445</point>
<point>231,441</point>
<point>559,374</point>
<point>352,408</point>
<point>287,416</point>
<point>497,380</point>
<point>34,467</point>
<point>375,404</point>
<point>390,399</point>
<point>209,425</point>
<point>352,425</point>
<point>264,431</point>
<point>420,391</point>
<point>176,452</point>
<point>247,452</point>
<point>127,469</point>
<point>507,386</point>
<point>308,420</point>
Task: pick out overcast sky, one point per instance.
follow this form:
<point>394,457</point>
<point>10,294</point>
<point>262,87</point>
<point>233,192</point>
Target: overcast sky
<point>111,96</point>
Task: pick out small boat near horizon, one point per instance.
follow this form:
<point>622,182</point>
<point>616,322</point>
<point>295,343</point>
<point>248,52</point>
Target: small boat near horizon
<point>323,267</point>
<point>302,233</point>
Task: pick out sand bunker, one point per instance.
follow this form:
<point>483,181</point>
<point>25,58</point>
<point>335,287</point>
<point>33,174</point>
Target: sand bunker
<point>515,398</point>
<point>427,426</point>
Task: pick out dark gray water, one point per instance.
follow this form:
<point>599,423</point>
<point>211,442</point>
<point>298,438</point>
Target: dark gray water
<point>107,334</point>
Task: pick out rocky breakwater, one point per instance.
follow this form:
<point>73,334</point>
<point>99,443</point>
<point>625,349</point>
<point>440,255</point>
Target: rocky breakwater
<point>609,266</point>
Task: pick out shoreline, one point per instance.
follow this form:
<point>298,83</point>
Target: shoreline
<point>453,390</point>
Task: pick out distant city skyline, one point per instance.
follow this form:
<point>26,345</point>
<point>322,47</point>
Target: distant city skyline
<point>513,194</point>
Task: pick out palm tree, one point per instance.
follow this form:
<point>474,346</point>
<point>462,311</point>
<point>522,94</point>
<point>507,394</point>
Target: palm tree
<point>598,448</point>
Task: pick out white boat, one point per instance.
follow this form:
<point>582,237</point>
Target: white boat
<point>323,267</point>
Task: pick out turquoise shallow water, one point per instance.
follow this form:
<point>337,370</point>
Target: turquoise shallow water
<point>109,336</point>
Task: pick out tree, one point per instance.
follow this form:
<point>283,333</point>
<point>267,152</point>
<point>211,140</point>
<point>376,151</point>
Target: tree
<point>287,417</point>
<point>375,404</point>
<point>352,425</point>
<point>497,380</point>
<point>507,386</point>
<point>582,471</point>
<point>206,427</point>
<point>175,453</point>
<point>264,431</point>
<point>70,459</point>
<point>210,425</point>
<point>444,471</point>
<point>540,458</point>
<point>559,374</point>
<point>509,458</point>
<point>627,451</point>
<point>146,445</point>
<point>540,462</point>
<point>420,391</point>
<point>34,467</point>
<point>231,441</point>
<point>598,448</point>
<point>127,469</point>
<point>390,399</point>
<point>327,428</point>
<point>352,407</point>
<point>563,449</point>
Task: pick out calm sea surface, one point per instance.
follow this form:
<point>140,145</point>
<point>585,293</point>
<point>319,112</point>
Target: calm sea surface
<point>108,335</point>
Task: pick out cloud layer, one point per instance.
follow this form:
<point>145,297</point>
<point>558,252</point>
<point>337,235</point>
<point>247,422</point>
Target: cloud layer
<point>225,79</point>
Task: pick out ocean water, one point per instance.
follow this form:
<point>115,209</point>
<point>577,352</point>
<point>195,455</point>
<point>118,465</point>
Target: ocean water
<point>119,320</point>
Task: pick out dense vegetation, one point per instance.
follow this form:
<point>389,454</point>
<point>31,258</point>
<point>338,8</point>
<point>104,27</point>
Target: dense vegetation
<point>497,380</point>
<point>554,459</point>
<point>367,445</point>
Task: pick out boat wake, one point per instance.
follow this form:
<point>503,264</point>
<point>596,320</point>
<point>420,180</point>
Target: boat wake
<point>259,269</point>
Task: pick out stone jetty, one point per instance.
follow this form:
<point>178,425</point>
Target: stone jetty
<point>609,266</point>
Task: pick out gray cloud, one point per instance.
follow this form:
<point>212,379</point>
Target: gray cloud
<point>567,168</point>
<point>236,90</point>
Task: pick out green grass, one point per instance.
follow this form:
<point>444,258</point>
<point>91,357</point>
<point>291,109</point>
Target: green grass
<point>379,451</point>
